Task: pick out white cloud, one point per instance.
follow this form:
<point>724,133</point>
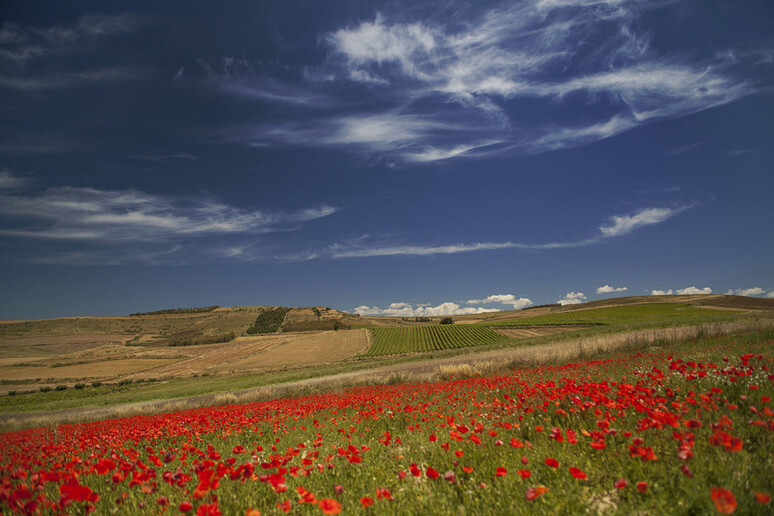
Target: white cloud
<point>608,289</point>
<point>623,224</point>
<point>750,292</point>
<point>693,291</point>
<point>481,63</point>
<point>505,299</point>
<point>68,213</point>
<point>8,181</point>
<point>421,310</point>
<point>572,298</point>
<point>682,291</point>
<point>770,295</point>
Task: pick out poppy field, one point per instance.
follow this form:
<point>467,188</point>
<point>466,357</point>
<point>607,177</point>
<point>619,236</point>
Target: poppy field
<point>684,427</point>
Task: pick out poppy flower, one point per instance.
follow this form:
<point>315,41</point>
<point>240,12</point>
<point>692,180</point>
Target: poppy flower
<point>621,483</point>
<point>525,473</point>
<point>501,472</point>
<point>432,473</point>
<point>580,475</point>
<point>552,462</point>
<point>642,487</point>
<point>285,506</point>
<point>467,469</point>
<point>725,502</point>
<point>252,512</point>
<point>763,498</point>
<point>383,494</point>
<point>185,507</point>
<point>516,443</point>
<point>329,506</point>
<point>534,492</point>
<point>366,501</point>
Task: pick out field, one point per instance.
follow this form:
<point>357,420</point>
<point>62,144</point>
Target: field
<point>390,341</point>
<point>683,427</point>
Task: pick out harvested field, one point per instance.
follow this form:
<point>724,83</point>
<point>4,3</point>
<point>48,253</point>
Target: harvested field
<point>56,344</point>
<point>104,369</point>
<point>537,331</point>
<point>306,349</point>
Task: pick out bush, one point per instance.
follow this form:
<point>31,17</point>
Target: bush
<point>447,320</point>
<point>61,387</point>
<point>202,339</point>
<point>125,381</point>
<point>80,385</point>
<point>45,389</point>
<point>96,384</point>
<point>11,393</point>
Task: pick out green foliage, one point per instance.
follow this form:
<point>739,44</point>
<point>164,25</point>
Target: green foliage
<point>311,325</point>
<point>80,385</point>
<point>269,321</point>
<point>125,381</point>
<point>194,340</point>
<point>550,305</point>
<point>11,393</point>
<point>394,340</point>
<point>96,384</point>
<point>195,310</point>
<point>655,313</point>
<point>447,320</point>
<point>45,388</point>
<point>61,387</point>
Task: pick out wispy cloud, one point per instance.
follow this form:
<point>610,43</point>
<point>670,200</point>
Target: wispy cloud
<point>89,214</point>
<point>453,84</point>
<point>9,181</point>
<point>620,225</point>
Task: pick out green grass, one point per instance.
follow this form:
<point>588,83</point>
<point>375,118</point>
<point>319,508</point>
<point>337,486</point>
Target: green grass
<point>395,340</point>
<point>631,315</point>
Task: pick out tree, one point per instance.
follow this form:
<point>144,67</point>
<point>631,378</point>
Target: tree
<point>447,320</point>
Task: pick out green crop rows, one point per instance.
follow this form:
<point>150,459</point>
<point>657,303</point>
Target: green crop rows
<point>672,313</point>
<point>394,340</point>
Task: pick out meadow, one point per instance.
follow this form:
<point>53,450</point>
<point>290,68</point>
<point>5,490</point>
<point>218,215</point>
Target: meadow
<point>684,427</point>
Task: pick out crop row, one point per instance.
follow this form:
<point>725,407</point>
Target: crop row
<point>390,341</point>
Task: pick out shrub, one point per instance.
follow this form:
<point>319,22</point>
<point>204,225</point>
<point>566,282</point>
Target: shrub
<point>125,381</point>
<point>193,340</point>
<point>61,387</point>
<point>45,388</point>
<point>80,385</point>
<point>269,321</point>
<point>447,320</point>
<point>96,384</point>
<point>11,393</point>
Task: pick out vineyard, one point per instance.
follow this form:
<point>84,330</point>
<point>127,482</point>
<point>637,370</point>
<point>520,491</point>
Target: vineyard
<point>394,340</point>
<point>650,314</point>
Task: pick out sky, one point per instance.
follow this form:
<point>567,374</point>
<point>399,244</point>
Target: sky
<point>397,158</point>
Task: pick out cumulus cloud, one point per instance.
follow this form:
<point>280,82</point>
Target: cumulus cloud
<point>505,299</point>
<point>682,291</point>
<point>402,309</point>
<point>750,292</point>
<point>572,298</point>
<point>606,289</point>
<point>770,295</point>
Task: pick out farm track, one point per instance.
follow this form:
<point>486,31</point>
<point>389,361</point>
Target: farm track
<point>412,372</point>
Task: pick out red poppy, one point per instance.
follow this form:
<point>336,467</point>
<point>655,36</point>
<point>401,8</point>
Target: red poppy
<point>725,502</point>
<point>432,473</point>
<point>501,472</point>
<point>580,475</point>
<point>534,492</point>
<point>185,507</point>
<point>366,501</point>
<point>621,483</point>
<point>467,469</point>
<point>516,443</point>
<point>525,473</point>
<point>285,506</point>
<point>552,462</point>
<point>252,512</point>
<point>763,498</point>
<point>642,487</point>
<point>330,506</point>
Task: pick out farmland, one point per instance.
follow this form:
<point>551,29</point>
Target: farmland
<point>684,427</point>
<point>390,341</point>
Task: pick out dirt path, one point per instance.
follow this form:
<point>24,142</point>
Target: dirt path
<point>415,371</point>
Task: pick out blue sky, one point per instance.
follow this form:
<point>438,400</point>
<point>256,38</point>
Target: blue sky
<point>407,158</point>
